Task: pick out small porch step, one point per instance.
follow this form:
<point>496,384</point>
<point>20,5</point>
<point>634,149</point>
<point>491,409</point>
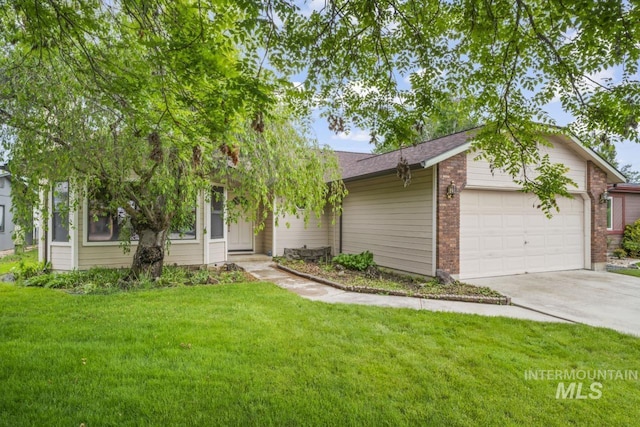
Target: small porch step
<point>248,257</point>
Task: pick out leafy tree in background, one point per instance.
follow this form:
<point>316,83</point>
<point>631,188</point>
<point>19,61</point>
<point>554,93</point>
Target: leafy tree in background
<point>450,117</point>
<point>165,86</point>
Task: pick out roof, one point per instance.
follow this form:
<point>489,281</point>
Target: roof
<point>624,188</point>
<point>430,153</point>
<point>364,164</point>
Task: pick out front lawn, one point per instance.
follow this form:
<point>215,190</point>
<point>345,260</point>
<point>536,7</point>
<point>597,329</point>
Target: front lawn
<point>255,354</point>
<point>10,262</point>
<point>628,271</point>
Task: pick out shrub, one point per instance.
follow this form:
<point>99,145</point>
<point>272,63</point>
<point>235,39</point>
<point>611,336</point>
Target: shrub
<point>26,270</point>
<point>358,262</point>
<point>631,239</point>
<point>619,253</point>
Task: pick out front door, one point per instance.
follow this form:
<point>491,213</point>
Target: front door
<point>240,235</point>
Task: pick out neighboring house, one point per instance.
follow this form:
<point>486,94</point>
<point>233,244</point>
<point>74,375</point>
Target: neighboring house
<point>623,207</point>
<point>6,218</point>
<point>456,216</point>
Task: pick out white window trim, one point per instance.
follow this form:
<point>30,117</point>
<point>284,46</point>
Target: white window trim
<point>87,242</point>
<point>224,213</point>
<point>68,243</point>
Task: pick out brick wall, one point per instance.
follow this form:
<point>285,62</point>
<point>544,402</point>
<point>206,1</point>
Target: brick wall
<point>596,185</point>
<point>448,213</point>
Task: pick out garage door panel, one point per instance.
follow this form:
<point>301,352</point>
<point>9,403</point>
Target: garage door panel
<point>503,233</point>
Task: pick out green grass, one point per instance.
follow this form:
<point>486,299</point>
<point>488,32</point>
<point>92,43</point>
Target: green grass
<point>13,261</point>
<point>254,354</point>
<point>629,272</point>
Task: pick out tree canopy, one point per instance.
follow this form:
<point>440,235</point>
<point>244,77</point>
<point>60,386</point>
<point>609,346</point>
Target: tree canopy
<point>172,90</point>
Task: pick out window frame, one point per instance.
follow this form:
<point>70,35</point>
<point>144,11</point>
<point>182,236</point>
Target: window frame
<point>2,219</point>
<point>55,213</point>
<point>220,212</point>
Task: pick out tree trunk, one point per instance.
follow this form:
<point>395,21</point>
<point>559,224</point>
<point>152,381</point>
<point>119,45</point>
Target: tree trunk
<point>149,256</point>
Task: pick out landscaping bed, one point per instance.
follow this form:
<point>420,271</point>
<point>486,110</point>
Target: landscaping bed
<point>382,281</point>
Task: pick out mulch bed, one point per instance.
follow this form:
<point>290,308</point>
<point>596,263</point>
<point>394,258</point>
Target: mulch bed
<point>389,283</point>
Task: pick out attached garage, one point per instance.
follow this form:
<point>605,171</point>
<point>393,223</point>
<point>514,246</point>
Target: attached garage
<point>503,232</point>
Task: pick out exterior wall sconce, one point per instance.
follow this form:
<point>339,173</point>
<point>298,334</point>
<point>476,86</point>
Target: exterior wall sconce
<point>604,197</point>
<point>451,190</point>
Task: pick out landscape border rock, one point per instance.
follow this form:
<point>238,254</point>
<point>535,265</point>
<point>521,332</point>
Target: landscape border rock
<point>504,300</point>
<point>322,253</point>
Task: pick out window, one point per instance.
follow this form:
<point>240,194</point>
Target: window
<point>1,218</point>
<point>217,213</point>
<point>60,231</point>
<point>104,226</point>
<point>188,233</point>
<point>609,213</point>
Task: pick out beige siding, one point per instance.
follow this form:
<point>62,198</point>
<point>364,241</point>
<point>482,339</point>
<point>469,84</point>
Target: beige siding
<point>217,252</point>
<point>479,173</point>
<point>292,232</point>
<point>181,252</point>
<point>391,221</point>
<point>267,241</point>
<point>632,208</point>
<point>60,257</point>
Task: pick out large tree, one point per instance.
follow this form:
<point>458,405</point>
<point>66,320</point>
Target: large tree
<point>141,106</point>
<point>176,81</point>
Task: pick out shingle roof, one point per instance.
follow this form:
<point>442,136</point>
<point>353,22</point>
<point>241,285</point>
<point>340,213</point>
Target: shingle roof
<point>361,164</point>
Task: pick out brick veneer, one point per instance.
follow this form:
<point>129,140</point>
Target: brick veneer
<point>596,185</point>
<point>448,214</point>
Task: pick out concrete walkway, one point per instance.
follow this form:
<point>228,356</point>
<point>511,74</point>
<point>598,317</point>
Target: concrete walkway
<point>266,271</point>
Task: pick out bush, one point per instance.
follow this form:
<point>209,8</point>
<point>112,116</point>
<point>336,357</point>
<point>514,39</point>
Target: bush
<point>358,262</point>
<point>26,270</point>
<point>631,239</point>
<point>619,253</point>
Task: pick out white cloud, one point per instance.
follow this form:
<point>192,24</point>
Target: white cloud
<point>357,136</point>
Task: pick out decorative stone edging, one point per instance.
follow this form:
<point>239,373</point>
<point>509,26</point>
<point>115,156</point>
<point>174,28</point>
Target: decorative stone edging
<point>504,300</point>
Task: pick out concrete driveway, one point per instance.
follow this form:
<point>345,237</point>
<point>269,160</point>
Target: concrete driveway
<point>594,298</point>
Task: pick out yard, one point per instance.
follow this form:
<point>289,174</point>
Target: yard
<point>254,354</point>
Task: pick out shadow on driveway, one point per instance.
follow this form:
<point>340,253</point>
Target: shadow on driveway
<point>594,298</point>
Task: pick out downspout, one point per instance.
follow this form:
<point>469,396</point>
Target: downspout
<point>340,232</point>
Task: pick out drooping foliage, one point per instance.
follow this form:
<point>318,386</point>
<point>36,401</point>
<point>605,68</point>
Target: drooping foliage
<point>144,105</point>
<point>162,87</point>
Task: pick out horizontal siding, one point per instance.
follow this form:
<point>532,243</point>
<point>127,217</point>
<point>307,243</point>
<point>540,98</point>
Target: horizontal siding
<point>60,258</point>
<point>292,232</point>
<point>267,241</point>
<point>479,173</point>
<point>632,208</point>
<point>181,252</point>
<point>394,222</point>
<point>217,252</point>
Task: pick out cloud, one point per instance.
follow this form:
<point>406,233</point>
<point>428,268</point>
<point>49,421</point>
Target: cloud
<point>357,136</point>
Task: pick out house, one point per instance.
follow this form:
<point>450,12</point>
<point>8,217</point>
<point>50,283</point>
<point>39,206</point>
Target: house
<point>460,217</point>
<point>456,215</point>
<point>623,208</point>
<point>87,237</point>
<point>6,217</point>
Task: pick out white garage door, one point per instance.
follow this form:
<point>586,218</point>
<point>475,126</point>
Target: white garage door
<point>504,233</point>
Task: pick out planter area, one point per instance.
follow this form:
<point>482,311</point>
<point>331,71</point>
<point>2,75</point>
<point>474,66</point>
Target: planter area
<point>381,281</point>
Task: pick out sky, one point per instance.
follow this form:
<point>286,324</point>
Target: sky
<point>358,140</point>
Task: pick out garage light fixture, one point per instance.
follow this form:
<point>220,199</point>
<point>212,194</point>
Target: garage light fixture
<point>604,197</point>
<point>451,190</point>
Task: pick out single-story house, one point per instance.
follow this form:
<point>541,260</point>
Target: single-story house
<point>6,218</point>
<point>623,208</point>
<point>456,215</point>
